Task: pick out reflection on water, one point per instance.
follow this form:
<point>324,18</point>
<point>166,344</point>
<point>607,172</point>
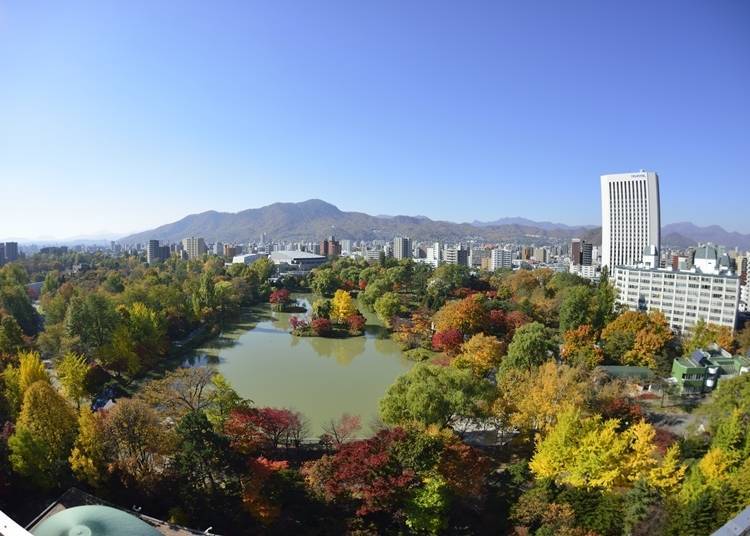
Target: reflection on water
<point>320,377</point>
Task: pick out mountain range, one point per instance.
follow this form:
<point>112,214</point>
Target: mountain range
<point>315,219</point>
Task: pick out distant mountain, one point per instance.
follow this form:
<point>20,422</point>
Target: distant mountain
<point>315,219</point>
<point>685,234</point>
<point>546,225</point>
<point>713,233</point>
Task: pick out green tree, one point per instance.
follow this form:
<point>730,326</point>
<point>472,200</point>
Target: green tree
<point>531,346</point>
<point>11,336</point>
<point>430,394</point>
<point>324,282</point>
<point>388,306</point>
<point>575,309</point>
<point>202,457</point>
<point>44,435</point>
<point>91,319</point>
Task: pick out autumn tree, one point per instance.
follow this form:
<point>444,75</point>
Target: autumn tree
<point>580,347</point>
<point>343,430</point>
<point>137,444</point>
<point>532,400</point>
<point>636,338</point>
<point>342,307</point>
<point>448,341</point>
<point>279,299</point>
<point>72,371</point>
<point>480,354</point>
<point>44,435</point>
<point>468,316</point>
<point>703,334</point>
<point>589,452</point>
<point>180,391</point>
<point>88,458</point>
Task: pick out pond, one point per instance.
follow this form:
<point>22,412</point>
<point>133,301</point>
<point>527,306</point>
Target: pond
<point>319,377</point>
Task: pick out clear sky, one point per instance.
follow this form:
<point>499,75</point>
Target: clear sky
<point>119,116</point>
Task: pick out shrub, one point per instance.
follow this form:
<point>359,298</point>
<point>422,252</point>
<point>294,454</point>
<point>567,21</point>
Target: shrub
<point>322,327</point>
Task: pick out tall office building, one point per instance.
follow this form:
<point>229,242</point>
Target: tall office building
<point>630,217</point>
<point>194,247</point>
<point>11,251</point>
<point>587,253</point>
<point>401,248</point>
<point>330,247</point>
<point>575,251</point>
<point>155,252</point>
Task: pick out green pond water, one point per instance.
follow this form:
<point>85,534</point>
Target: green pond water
<point>319,377</point>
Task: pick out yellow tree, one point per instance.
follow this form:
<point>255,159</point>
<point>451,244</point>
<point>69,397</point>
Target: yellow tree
<point>342,306</point>
<point>44,435</point>
<point>590,452</point>
<point>30,370</point>
<point>666,477</point>
<point>467,316</point>
<point>72,371</point>
<point>87,459</point>
<point>580,349</point>
<point>480,354</point>
<point>533,400</point>
<point>641,459</point>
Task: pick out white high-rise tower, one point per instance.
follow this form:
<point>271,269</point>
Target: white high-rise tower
<point>630,217</point>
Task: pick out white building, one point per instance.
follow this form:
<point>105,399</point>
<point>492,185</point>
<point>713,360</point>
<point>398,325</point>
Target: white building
<point>248,258</point>
<point>296,260</point>
<point>194,247</point>
<point>456,255</point>
<point>401,248</point>
<point>434,254</point>
<point>709,291</point>
<point>630,217</point>
<point>501,258</point>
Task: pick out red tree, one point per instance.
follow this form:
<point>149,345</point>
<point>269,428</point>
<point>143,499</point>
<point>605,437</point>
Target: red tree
<point>356,323</point>
<point>365,471</point>
<point>339,432</point>
<point>279,297</point>
<point>362,284</point>
<point>252,429</point>
<point>448,341</point>
<point>322,326</point>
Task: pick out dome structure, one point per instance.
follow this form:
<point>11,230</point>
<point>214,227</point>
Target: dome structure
<point>94,520</point>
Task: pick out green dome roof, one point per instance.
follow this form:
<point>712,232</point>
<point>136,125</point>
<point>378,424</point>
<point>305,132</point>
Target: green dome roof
<point>94,520</point>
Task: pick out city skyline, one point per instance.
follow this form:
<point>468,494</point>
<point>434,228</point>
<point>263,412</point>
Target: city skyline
<point>115,121</point>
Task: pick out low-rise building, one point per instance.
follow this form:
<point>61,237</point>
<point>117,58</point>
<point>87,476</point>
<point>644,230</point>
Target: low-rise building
<point>700,371</point>
<point>248,258</point>
<point>296,260</point>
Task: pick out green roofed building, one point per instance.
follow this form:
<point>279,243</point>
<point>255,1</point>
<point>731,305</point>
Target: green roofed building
<point>700,371</point>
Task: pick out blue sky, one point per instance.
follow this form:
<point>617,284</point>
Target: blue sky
<point>120,116</point>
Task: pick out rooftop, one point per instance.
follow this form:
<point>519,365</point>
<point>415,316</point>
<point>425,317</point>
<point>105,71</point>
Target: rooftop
<point>289,255</point>
<point>75,497</point>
